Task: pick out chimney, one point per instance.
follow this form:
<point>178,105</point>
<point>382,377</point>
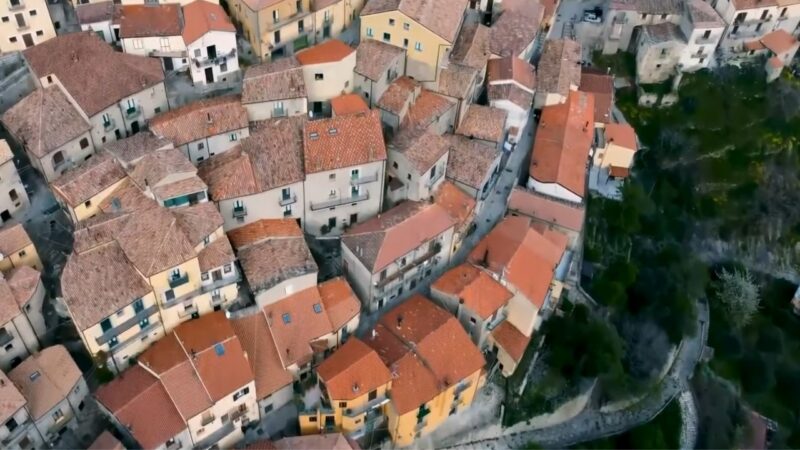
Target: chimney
<point>75,57</point>
<point>399,321</point>
<point>374,334</point>
<point>208,118</point>
<point>194,354</point>
<point>355,387</point>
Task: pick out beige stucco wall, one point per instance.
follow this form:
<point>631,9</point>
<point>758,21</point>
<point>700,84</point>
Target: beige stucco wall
<point>521,312</point>
<point>418,187</point>
<point>224,42</point>
<point>614,155</point>
<point>372,90</point>
<point>266,110</point>
<point>259,26</point>
<point>39,23</point>
<point>337,79</point>
<point>73,155</point>
<point>151,102</point>
<point>26,429</point>
<point>11,182</point>
<point>27,256</point>
<point>91,207</point>
<point>143,46</point>
<point>319,186</point>
<point>276,400</point>
<point>655,63</point>
<point>226,406</point>
<point>285,289</point>
<point>264,205</point>
<point>69,406</point>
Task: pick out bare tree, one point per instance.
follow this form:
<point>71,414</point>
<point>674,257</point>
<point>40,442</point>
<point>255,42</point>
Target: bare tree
<point>740,294</point>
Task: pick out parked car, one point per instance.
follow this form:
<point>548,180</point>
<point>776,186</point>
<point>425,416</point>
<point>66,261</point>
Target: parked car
<point>593,15</point>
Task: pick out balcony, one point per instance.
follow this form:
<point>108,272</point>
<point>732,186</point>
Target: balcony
<point>434,179</point>
<point>281,21</point>
<point>702,40</point>
<point>174,445</point>
<point>279,112</point>
<point>239,212</point>
<point>136,338</point>
<point>215,61</point>
<point>338,201</point>
<point>127,325</point>
<point>376,403</point>
<point>186,312</point>
<point>109,124</point>
<point>461,388</point>
<point>180,280</point>
<point>132,112</point>
<point>202,290</point>
<point>288,200</point>
<point>15,5</point>
<point>363,179</point>
<point>216,436</point>
<point>400,274</point>
<point>5,338</point>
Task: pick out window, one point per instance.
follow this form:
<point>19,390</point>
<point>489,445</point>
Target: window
<point>354,174</point>
<point>287,210</point>
<point>170,442</point>
<point>206,240</point>
<point>764,14</point>
<point>299,5</point>
<point>8,347</point>
<point>758,27</point>
<point>741,17</point>
<point>394,164</point>
<point>12,194</point>
<point>5,19</point>
<point>663,17</point>
<point>144,323</point>
<point>370,33</point>
<point>87,204</point>
<point>300,26</point>
<point>403,261</point>
<point>342,404</point>
<point>387,37</point>
<point>332,177</point>
<point>405,43</point>
<point>276,17</point>
<point>12,39</point>
<point>241,393</point>
<point>317,308</point>
<point>783,12</point>
<point>39,33</point>
<point>22,253</point>
<point>311,419</point>
<point>268,409</point>
<point>707,34</point>
<point>319,76</point>
<point>197,53</point>
<point>472,320</point>
<point>57,415</point>
<point>287,318</point>
<point>157,110</point>
<point>223,67</point>
<point>372,395</point>
<point>406,26</point>
<point>233,137</point>
<point>33,12</point>
<point>277,37</point>
<point>105,325</point>
<point>138,306</point>
<point>201,146</point>
<point>137,43</point>
<point>204,276</point>
<point>391,22</point>
<point>383,274</point>
<point>84,143</point>
<point>164,43</point>
<point>227,268</point>
<point>418,46</point>
<point>644,16</point>
<point>11,424</point>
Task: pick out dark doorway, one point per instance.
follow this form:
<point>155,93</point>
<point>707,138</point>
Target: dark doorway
<point>5,216</point>
<point>28,40</point>
<point>117,134</point>
<point>209,74</point>
<point>134,127</point>
<point>353,219</point>
<point>317,108</point>
<point>211,50</point>
<point>216,275</point>
<point>168,64</point>
<point>331,223</point>
<point>116,34</point>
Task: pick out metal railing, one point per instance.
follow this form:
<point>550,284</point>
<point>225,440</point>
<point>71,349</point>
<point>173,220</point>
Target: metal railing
<point>239,211</point>
<point>136,337</point>
<point>201,290</point>
<point>400,273</point>
<point>292,198</point>
<point>128,324</point>
<point>338,201</point>
<point>133,112</point>
<point>188,311</point>
<point>14,6</point>
<point>216,436</point>
<point>372,404</point>
<point>363,179</point>
<point>434,179</point>
<point>216,60</point>
<point>178,281</point>
<point>109,124</point>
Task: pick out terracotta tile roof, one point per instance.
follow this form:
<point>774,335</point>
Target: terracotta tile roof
<point>262,230</point>
<point>512,69</point>
<point>443,17</point>
<point>154,242</point>
<point>319,5</point>
<point>543,209</point>
<point>512,93</point>
<point>229,175</point>
<point>132,149</point>
<point>703,14</point>
<point>57,376</point>
<point>601,85</point>
<point>475,288</point>
<point>98,283</point>
<point>266,444</point>
<point>141,404</point>
<point>44,106</point>
<point>754,45</point>
<point>24,281</point>
<point>457,203</point>
<point>77,57</point>
<point>651,6</point>
<point>662,32</point>
<point>422,148</point>
<point>418,331</point>
<point>398,94</point>
<point>352,371</point>
<point>126,198</point>
<point>200,119</point>
<point>11,400</point>
<point>99,230</point>
<point>184,387</point>
<point>484,122</point>
<point>779,41</point>
<point>427,108</point>
<point>198,221</point>
<point>516,29</point>
<point>106,440</point>
<point>13,238</point>
<point>511,340</point>
<point>522,255</point>
<point>343,141</point>
<point>201,17</point>
<point>374,58</point>
<point>9,309</point>
<point>96,12</point>
<point>256,339</point>
<point>186,186</point>
<point>78,185</point>
<point>472,46</point>
<point>150,20</point>
<point>281,79</point>
<point>619,172</point>
<point>559,67</point>
<point>750,4</point>
<point>348,104</point>
<point>340,301</point>
<point>296,322</point>
<point>383,239</point>
<point>155,167</point>
<point>331,441</point>
<point>5,152</point>
<point>469,161</point>
<point>216,254</point>
<point>455,80</point>
<point>563,139</point>
<point>621,134</point>
<point>329,51</point>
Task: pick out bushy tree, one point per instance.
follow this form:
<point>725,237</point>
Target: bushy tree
<point>739,293</point>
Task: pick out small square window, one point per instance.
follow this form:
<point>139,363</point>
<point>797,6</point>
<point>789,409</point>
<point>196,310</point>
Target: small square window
<point>370,33</point>
<point>33,12</point>
<point>342,404</point>
<point>387,37</point>
<point>317,308</point>
<point>40,33</point>
<point>418,46</point>
<point>223,67</point>
<point>394,164</point>
<point>287,318</point>
<point>391,22</point>
<point>87,203</point>
<point>5,19</point>
<point>12,39</point>
<point>319,76</point>
<point>227,268</point>
<point>9,347</point>
<point>204,276</point>
<point>157,109</point>
<point>332,176</point>
<point>406,26</point>
<point>405,43</point>
<point>197,53</point>
<point>22,253</point>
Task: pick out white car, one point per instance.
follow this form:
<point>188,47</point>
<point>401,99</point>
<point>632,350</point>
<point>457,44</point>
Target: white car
<point>591,17</point>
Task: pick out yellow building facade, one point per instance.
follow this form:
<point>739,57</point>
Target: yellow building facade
<point>17,249</point>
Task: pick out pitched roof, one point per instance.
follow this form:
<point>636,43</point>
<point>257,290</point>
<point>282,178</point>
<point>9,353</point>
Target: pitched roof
<point>340,301</point>
<point>96,12</point>
<point>330,441</point>
<point>373,58</point>
<point>150,20</point>
<point>472,46</point>
<point>98,283</point>
<point>651,6</point>
<point>216,254</point>
<point>483,122</point>
<point>383,239</point>
<point>703,14</point>
<point>456,79</point>
<point>398,94</point>
<point>779,41</point>
<point>511,92</point>
<point>157,166</point>
<point>456,202</point>
<point>142,405</point>
<point>46,379</point>
<point>352,371</point>
<point>559,67</point>
<point>79,184</point>
<point>442,17</point>
<point>601,85</point>
<point>510,339</point>
<point>264,229</point>
<point>200,119</point>
<point>469,161</point>
<point>545,209</point>
<point>422,148</point>
<point>296,322</point>
<point>23,281</point>
<point>427,108</point>
<point>475,288</point>
<point>329,51</point>
<point>348,104</point>
<point>77,57</point>
<point>9,309</point>
<point>11,400</point>
<point>621,134</point>
<point>198,221</point>
<point>428,350</point>
<point>281,79</point>
<point>516,29</point>
<point>48,106</point>
<point>6,154</point>
<point>512,69</point>
<point>13,238</point>
<point>106,440</point>
<point>131,149</point>
<point>154,242</point>
<point>343,141</point>
<point>750,4</point>
<point>563,140</point>
<point>201,17</point>
<point>127,197</point>
<point>257,341</point>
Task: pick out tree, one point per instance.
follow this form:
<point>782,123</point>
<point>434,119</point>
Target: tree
<point>757,373</point>
<point>770,340</point>
<point>739,293</point>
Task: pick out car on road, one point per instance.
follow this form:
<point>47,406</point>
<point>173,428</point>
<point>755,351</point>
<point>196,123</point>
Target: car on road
<point>593,15</point>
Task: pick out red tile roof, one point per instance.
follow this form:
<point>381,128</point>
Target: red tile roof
<point>352,371</point>
<point>779,41</point>
<point>200,119</point>
<point>327,52</point>
<point>348,104</point>
<point>512,69</point>
<point>457,203</point>
<point>257,341</point>
<point>340,301</point>
<point>343,141</point>
<point>200,17</point>
<point>546,210</point>
<point>478,291</point>
<point>621,134</point>
<point>511,340</point>
<point>263,229</point>
<point>601,85</point>
<point>150,20</point>
<point>296,322</point>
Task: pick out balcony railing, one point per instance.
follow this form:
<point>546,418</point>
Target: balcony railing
<point>178,281</point>
<point>109,124</point>
<point>377,402</point>
<point>702,40</point>
<point>239,212</point>
<point>408,267</point>
<point>17,5</point>
<point>279,112</point>
<point>136,337</point>
<point>216,436</point>
<point>128,324</point>
<point>215,61</point>
<point>132,112</point>
<point>218,299</point>
<point>363,179</point>
<point>434,179</point>
<point>201,290</point>
<point>334,202</point>
<point>292,198</point>
<point>186,312</point>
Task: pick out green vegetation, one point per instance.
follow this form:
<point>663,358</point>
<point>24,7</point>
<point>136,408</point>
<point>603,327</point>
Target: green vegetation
<point>621,65</point>
<point>661,432</point>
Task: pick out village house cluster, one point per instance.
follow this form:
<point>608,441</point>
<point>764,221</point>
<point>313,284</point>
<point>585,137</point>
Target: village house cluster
<point>314,239</point>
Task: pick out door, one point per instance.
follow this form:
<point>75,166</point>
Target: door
<point>216,275</point>
<point>317,108</point>
<point>28,40</point>
<point>5,216</point>
<point>209,74</point>
<point>134,127</point>
<point>353,219</point>
<point>168,64</point>
<point>211,50</point>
